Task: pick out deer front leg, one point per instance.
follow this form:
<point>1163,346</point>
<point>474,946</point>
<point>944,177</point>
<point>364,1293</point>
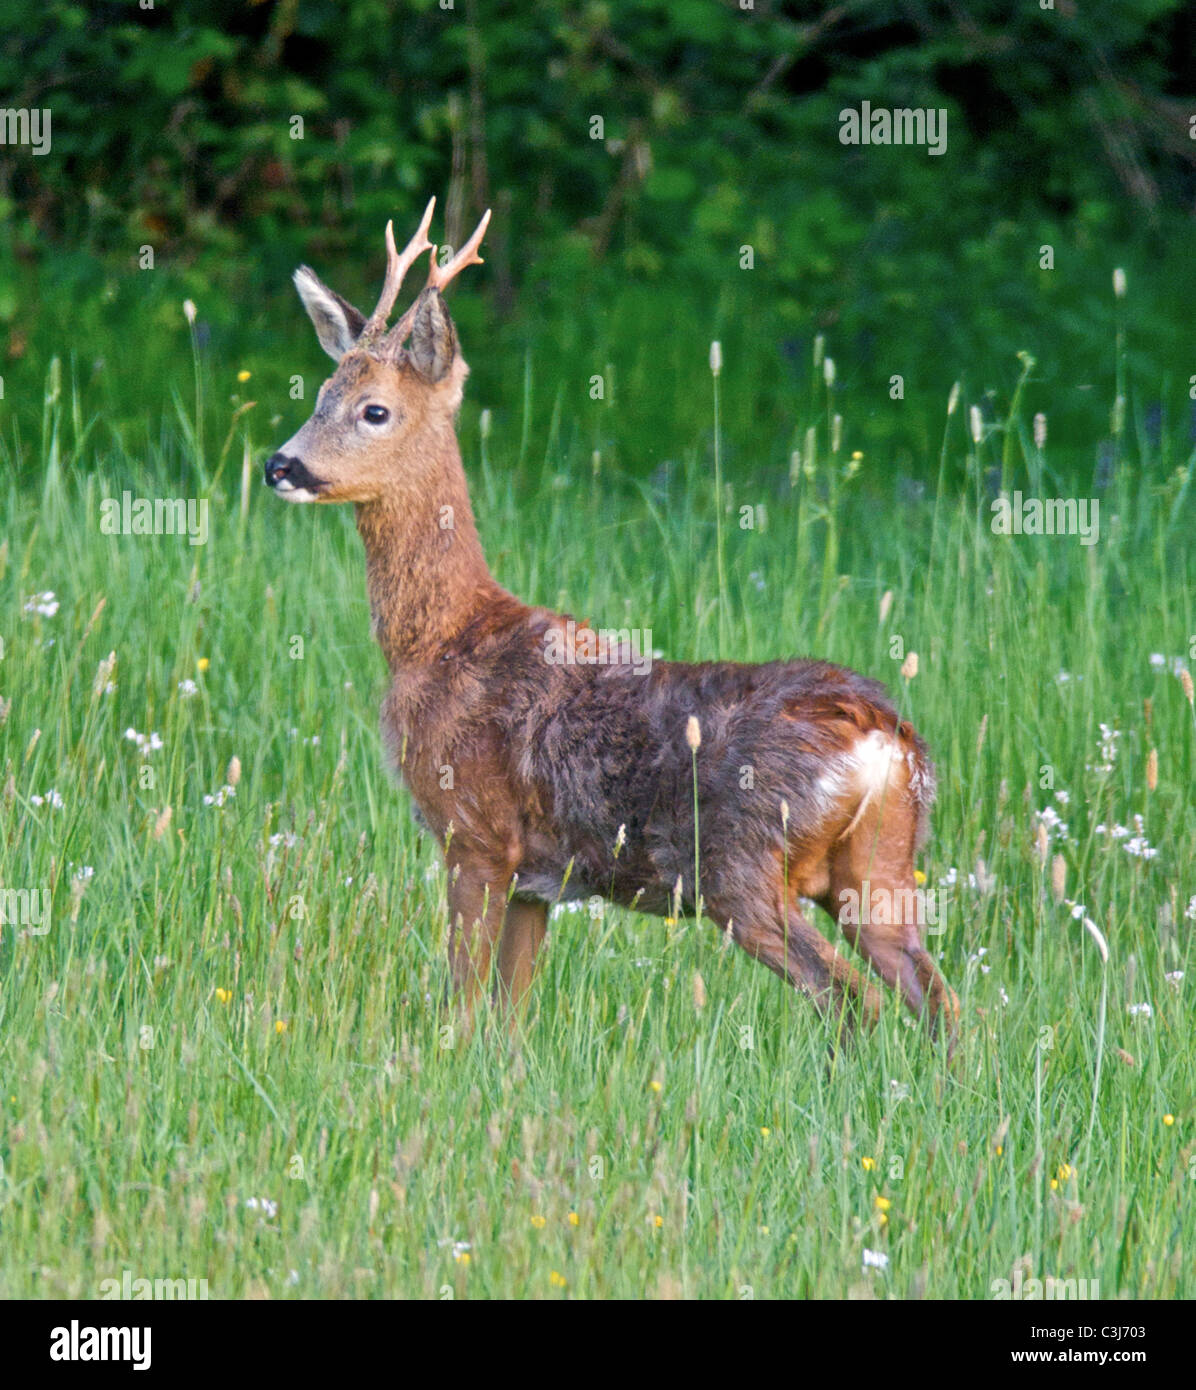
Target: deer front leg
<point>477,897</point>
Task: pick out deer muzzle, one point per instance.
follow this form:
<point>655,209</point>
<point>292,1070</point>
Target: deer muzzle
<point>291,478</point>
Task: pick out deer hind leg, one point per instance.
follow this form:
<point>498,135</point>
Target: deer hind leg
<point>873,895</point>
<point>795,949</point>
<point>522,935</point>
<point>477,897</point>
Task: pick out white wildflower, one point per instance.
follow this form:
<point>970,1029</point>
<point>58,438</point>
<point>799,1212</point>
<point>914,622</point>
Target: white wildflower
<point>1108,748</point>
<point>146,743</point>
<point>45,605</point>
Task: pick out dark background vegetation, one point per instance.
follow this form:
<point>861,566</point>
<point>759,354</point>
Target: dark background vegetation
<point>172,127</point>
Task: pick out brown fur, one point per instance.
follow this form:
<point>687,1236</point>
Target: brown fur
<point>547,778</point>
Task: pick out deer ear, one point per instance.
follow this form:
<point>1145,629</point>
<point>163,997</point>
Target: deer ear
<point>338,325</point>
<point>433,338</point>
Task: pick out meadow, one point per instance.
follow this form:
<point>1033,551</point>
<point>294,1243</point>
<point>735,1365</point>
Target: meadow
<point>225,1056</point>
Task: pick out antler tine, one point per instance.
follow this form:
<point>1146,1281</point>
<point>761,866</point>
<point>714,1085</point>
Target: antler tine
<point>397,267</point>
<point>440,275</point>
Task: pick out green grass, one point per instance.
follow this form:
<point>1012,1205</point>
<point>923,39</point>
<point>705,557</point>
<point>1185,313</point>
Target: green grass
<point>630,1143</point>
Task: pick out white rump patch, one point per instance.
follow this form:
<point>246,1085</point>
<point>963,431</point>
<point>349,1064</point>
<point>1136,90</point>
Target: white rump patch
<point>921,782</point>
<point>873,760</point>
<point>832,783</point>
<point>874,756</point>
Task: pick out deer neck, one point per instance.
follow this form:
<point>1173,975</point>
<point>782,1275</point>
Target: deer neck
<point>426,575</point>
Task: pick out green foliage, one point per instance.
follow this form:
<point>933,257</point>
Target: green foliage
<point>151,1104</point>
<point>148,1093</point>
<point>174,127</point>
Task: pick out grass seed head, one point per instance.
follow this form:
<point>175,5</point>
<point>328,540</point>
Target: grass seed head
<point>1058,877</point>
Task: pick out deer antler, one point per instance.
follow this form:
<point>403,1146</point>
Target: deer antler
<point>439,276</point>
<point>397,267</point>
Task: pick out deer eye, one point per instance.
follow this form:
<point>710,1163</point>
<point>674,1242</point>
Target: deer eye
<point>375,414</point>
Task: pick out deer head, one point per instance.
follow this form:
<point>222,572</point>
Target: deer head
<point>380,420</point>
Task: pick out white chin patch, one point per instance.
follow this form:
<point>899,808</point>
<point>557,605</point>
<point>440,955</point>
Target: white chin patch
<point>292,493</point>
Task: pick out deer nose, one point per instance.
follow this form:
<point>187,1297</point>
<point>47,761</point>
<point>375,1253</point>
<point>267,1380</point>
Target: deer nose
<point>278,466</point>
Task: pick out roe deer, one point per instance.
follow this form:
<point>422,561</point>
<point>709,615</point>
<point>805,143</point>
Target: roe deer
<point>548,768</point>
